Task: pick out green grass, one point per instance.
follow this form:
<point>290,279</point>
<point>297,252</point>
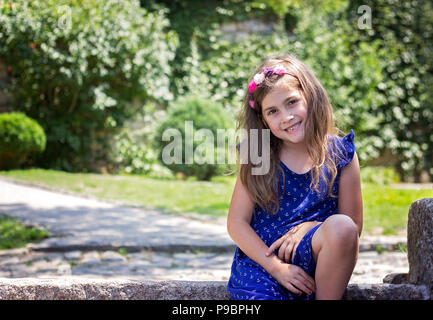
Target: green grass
<point>15,235</point>
<point>211,198</point>
<point>385,208</point>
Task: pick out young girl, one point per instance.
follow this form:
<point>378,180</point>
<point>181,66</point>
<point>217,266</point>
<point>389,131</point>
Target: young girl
<point>296,227</point>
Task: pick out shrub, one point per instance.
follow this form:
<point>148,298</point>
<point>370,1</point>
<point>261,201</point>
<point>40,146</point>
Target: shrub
<point>204,114</point>
<point>20,136</point>
<point>379,175</point>
<point>82,68</point>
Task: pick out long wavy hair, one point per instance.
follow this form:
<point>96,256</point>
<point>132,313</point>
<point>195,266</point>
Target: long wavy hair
<point>319,125</point>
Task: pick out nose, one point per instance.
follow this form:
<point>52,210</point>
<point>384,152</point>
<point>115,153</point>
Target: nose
<point>287,118</point>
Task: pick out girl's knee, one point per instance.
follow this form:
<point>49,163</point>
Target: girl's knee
<point>341,231</point>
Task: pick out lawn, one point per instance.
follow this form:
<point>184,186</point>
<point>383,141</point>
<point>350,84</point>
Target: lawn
<point>385,208</point>
<point>173,195</point>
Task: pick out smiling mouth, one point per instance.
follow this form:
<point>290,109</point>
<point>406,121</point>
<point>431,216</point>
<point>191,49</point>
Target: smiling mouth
<point>293,127</point>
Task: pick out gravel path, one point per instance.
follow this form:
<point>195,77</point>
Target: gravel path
<point>371,267</point>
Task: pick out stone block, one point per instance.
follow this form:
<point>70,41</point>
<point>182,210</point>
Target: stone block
<point>73,288</point>
<point>386,292</point>
<point>420,242</point>
<point>395,278</point>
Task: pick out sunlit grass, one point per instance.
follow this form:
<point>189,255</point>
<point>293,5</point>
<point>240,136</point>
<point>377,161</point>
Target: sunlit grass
<point>173,195</point>
<point>13,234</point>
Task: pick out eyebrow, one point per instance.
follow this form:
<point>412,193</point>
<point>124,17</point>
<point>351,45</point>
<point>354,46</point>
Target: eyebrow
<point>285,100</point>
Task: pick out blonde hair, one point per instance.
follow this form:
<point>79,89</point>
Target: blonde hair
<point>319,125</point>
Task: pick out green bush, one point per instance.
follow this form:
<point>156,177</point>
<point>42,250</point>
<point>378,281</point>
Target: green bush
<point>20,136</point>
<point>133,156</point>
<point>82,68</point>
<point>379,175</point>
<point>204,114</point>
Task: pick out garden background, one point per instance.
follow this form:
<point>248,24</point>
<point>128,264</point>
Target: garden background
<point>102,79</point>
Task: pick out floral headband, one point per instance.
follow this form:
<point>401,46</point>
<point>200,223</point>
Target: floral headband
<point>259,77</point>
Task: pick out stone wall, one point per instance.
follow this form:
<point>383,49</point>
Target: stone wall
<point>235,31</point>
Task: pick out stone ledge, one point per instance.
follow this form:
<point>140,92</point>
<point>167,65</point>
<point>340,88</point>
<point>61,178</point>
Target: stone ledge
<point>70,288</point>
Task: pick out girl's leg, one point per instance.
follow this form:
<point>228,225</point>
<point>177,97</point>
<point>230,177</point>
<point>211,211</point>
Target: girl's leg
<point>335,250</point>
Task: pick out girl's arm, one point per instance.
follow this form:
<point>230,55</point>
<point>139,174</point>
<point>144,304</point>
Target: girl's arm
<point>239,229</point>
<point>349,192</point>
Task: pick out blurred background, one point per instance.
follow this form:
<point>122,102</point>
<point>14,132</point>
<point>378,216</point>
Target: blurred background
<point>86,88</point>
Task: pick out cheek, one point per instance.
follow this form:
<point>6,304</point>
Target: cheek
<point>303,112</point>
<point>275,128</point>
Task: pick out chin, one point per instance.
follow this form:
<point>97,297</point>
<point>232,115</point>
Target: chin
<point>295,138</point>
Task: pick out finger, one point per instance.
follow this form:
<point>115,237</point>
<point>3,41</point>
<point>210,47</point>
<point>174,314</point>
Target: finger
<point>309,284</point>
<point>281,251</point>
<point>307,279</point>
<point>303,276</point>
<point>292,288</point>
<point>301,286</point>
<point>274,246</point>
<point>295,247</point>
<point>288,252</point>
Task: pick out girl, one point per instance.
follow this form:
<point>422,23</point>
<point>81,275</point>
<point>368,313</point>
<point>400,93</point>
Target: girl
<point>296,227</point>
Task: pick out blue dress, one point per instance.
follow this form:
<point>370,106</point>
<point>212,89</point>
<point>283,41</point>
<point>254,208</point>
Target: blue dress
<point>298,203</point>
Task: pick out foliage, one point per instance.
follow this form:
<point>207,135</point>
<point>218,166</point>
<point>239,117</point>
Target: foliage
<point>82,69</point>
<point>378,80</point>
<point>203,114</point>
<point>404,31</point>
<point>20,137</point>
<point>131,149</point>
<point>132,157</point>
<point>379,175</point>
<point>197,24</point>
<point>14,235</point>
<point>83,83</point>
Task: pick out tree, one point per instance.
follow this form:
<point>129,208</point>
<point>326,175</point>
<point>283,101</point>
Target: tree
<point>81,69</point>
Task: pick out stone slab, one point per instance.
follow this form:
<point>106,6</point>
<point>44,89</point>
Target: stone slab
<point>70,288</point>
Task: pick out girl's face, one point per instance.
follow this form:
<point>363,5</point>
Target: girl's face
<point>285,112</point>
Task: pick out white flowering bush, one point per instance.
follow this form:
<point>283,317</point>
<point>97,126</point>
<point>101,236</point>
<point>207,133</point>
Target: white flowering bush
<point>82,68</point>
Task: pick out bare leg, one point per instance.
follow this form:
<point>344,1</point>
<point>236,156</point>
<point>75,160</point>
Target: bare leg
<point>335,250</point>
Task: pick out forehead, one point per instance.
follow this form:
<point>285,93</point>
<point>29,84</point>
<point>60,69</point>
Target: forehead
<point>278,95</point>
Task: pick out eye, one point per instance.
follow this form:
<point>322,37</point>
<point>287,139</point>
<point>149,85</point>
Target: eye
<point>292,101</point>
<point>271,112</point>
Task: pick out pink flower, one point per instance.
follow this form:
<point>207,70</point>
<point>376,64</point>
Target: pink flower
<point>279,71</point>
<point>252,87</point>
<point>251,102</point>
<point>258,78</point>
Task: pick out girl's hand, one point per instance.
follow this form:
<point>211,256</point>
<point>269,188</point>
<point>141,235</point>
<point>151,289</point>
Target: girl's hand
<point>288,243</point>
<point>294,278</point>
